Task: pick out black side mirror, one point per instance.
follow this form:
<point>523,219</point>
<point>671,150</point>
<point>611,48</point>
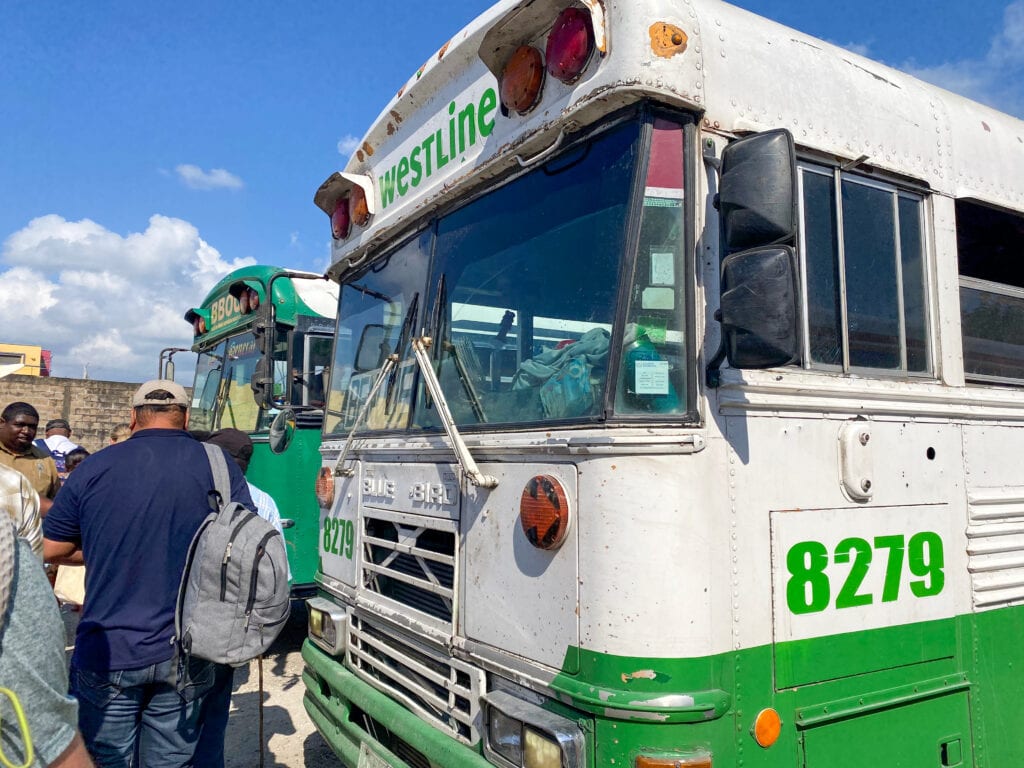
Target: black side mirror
<point>263,383</point>
<point>760,310</point>
<point>759,305</point>
<point>757,191</point>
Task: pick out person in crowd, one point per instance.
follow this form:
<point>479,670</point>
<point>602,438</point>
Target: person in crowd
<point>74,457</point>
<point>70,584</point>
<point>217,705</point>
<point>32,665</point>
<point>131,511</point>
<point>18,424</point>
<point>119,433</point>
<point>57,443</point>
<point>21,502</point>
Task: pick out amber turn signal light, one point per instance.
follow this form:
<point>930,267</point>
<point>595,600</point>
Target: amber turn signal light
<point>325,487</point>
<point>544,512</point>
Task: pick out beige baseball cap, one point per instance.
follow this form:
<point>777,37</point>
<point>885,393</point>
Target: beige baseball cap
<point>144,394</point>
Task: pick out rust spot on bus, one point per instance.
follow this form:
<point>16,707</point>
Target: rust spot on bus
<point>667,40</point>
<point>396,116</point>
<point>391,129</point>
<point>359,155</point>
<point>444,49</point>
<point>640,674</point>
<point>367,148</point>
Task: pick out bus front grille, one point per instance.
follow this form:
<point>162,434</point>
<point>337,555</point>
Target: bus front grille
<point>376,730</point>
<point>443,691</point>
<point>411,560</point>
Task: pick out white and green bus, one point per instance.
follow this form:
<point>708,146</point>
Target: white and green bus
<point>677,407</point>
<point>263,338</point>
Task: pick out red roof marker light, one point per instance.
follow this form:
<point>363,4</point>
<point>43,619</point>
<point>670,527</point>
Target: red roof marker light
<point>570,45</point>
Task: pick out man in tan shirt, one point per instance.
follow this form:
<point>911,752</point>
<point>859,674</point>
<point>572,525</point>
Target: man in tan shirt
<point>18,425</point>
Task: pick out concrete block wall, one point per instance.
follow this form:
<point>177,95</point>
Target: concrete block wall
<point>92,407</point>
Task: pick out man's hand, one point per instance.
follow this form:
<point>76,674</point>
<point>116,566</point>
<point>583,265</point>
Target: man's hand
<point>75,756</point>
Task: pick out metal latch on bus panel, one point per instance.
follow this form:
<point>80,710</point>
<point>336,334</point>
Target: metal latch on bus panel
<point>856,465</point>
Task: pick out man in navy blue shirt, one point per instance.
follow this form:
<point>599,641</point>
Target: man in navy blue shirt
<point>130,513</point>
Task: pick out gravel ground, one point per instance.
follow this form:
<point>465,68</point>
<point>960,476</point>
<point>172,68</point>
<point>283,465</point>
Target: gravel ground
<point>288,732</point>
<point>289,735</point>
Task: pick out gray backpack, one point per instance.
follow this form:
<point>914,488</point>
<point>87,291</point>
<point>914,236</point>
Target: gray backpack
<point>234,596</point>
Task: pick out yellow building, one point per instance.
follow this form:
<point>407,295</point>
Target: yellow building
<point>24,359</point>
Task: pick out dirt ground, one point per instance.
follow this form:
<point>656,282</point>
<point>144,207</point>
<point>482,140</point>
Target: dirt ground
<point>288,732</point>
<point>289,735</point>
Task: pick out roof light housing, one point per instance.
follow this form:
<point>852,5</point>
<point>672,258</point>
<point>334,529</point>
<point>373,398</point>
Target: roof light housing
<point>348,199</point>
<point>247,296</point>
<point>199,319</point>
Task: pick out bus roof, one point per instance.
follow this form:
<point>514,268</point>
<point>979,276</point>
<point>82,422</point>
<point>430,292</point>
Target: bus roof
<point>292,298</point>
<point>738,71</point>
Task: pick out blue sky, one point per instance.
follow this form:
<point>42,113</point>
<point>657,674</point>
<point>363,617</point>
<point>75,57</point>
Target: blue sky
<point>146,149</point>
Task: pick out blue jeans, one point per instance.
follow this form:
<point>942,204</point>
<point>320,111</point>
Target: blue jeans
<point>138,716</point>
<point>213,722</point>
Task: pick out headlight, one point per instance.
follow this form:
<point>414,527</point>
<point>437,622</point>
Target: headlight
<point>541,751</point>
<point>524,735</point>
<point>327,624</point>
<point>505,735</point>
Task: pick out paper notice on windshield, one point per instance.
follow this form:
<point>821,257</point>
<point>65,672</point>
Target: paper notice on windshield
<point>651,377</point>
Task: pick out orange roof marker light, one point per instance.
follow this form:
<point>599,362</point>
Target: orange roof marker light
<point>522,80</point>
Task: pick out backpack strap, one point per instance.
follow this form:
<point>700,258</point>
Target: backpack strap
<point>221,478</point>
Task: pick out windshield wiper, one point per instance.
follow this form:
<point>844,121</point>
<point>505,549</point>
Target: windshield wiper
<point>389,364</point>
<point>420,347</point>
<point>403,339</point>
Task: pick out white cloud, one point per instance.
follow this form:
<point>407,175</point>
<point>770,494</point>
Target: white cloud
<point>216,178</point>
<point>992,79</point>
<point>861,49</point>
<point>347,144</point>
<point>99,299</point>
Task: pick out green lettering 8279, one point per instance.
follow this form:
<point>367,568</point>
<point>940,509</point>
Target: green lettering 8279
<point>809,589</point>
<point>338,536</point>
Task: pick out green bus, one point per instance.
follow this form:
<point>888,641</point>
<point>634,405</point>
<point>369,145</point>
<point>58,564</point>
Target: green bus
<point>263,337</point>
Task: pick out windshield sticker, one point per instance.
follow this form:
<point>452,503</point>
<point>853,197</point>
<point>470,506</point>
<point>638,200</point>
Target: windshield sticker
<point>241,347</point>
<point>651,377</point>
<point>654,328</point>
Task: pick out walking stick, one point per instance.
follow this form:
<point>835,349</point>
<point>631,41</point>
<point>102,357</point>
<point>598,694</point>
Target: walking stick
<point>260,662</point>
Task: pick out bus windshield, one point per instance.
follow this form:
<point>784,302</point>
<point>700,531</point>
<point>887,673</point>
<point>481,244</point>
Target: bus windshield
<point>524,291</point>
<point>222,396</point>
